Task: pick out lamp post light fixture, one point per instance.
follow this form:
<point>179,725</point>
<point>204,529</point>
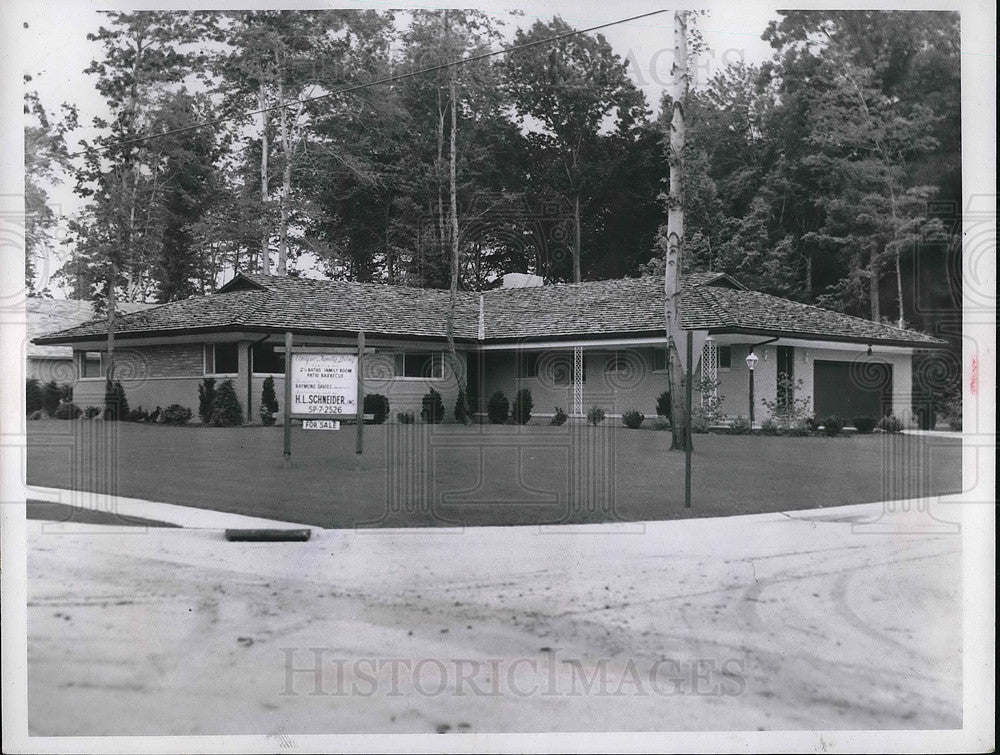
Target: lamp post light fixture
<point>751,360</point>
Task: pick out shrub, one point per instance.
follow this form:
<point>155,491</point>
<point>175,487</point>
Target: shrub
<point>432,407</point>
<point>91,411</point>
<point>498,408</point>
<point>51,396</point>
<point>405,418</point>
<point>559,418</point>
<point>890,424</point>
<point>708,411</point>
<point>663,405</point>
<point>740,426</point>
<point>769,427</point>
<point>32,396</point>
<point>376,405</point>
<point>463,412</point>
<point>926,416</point>
<point>267,395</point>
<point>115,403</point>
<point>797,431</point>
<point>206,395</point>
<point>68,410</point>
<point>832,426</point>
<point>865,423</point>
<point>523,404</point>
<point>266,415</point>
<point>36,415</point>
<point>226,408</point>
<point>633,420</point>
<point>175,414</point>
<point>137,415</point>
<point>661,423</point>
<point>595,416</point>
<point>787,410</point>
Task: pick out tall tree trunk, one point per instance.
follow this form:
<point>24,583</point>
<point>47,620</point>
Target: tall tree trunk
<point>453,286</point>
<point>265,252</point>
<point>899,264</point>
<point>675,233</point>
<point>873,285</point>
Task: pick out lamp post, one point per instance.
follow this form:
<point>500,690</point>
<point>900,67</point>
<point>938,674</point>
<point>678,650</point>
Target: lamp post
<point>752,360</point>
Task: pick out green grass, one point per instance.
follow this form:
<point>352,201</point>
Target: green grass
<point>448,475</point>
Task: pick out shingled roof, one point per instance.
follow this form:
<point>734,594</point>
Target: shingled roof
<point>611,308</point>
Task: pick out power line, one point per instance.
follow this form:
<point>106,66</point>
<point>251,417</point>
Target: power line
<point>377,82</point>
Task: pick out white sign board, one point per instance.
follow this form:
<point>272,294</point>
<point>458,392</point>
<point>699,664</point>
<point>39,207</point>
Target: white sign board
<point>320,424</point>
<point>324,384</point>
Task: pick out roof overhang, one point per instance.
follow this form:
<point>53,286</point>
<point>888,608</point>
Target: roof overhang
<point>784,334</point>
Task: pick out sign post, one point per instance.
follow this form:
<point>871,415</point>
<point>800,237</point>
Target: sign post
<point>323,385</point>
<point>361,392</point>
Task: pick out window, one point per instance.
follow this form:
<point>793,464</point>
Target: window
<point>725,357</point>
<point>420,364</point>
<point>91,365</point>
<point>221,359</point>
<point>617,362</point>
<point>266,361</point>
<point>558,368</point>
<point>659,360</point>
<point>527,365</point>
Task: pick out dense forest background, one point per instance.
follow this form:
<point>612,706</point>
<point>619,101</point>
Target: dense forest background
<point>830,174</point>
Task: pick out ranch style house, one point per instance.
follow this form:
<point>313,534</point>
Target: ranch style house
<point>573,345</point>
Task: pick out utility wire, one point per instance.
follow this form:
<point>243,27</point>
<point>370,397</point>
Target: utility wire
<point>376,82</point>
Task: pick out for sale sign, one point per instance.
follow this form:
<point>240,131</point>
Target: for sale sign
<point>324,384</point>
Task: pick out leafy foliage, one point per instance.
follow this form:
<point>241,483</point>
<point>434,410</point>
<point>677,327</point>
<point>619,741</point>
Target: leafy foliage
<point>595,415</point>
<point>633,419</point>
<point>663,405</point>
<point>115,401</point>
<point>405,418</point>
<point>498,408</point>
<point>432,407</point>
<point>523,404</point>
<point>864,424</point>
<point>68,410</point>
<point>175,414</point>
<point>559,418</point>
<point>462,413</point>
<point>890,424</point>
<point>377,405</point>
<point>831,426</point>
<point>32,395</point>
<point>206,395</point>
<point>226,408</point>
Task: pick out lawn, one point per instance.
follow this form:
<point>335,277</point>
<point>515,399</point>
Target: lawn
<point>449,475</point>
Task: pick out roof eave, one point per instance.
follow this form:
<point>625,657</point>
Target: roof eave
<point>936,343</point>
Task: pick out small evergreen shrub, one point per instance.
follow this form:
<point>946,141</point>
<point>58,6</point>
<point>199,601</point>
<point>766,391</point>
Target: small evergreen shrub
<point>68,410</point>
<point>663,405</point>
<point>523,404</point>
<point>768,427</point>
<point>175,414</point>
<point>890,424</point>
<point>926,415</point>
<point>378,406</point>
<point>268,398</point>
<point>432,407</point>
<point>633,420</point>
<point>661,424</point>
<point>266,415</point>
<point>740,426</point>
<point>559,418</point>
<point>498,408</point>
<point>463,412</point>
<point>405,418</point>
<point>226,408</point>
<point>36,414</point>
<point>32,396</point>
<point>864,423</point>
<point>206,395</point>
<point>115,403</point>
<point>137,415</point>
<point>796,431</point>
<point>91,411</point>
<point>832,426</point>
<point>595,416</point>
<point>51,396</point>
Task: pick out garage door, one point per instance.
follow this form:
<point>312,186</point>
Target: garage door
<point>849,389</point>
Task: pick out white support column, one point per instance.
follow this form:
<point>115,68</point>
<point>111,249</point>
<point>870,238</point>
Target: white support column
<point>709,368</point>
<point>578,380</point>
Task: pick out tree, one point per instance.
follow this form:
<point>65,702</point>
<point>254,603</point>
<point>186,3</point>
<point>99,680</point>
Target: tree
<point>45,159</point>
<point>571,87</point>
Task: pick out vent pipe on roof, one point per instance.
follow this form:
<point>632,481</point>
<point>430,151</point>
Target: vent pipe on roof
<point>521,280</point>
